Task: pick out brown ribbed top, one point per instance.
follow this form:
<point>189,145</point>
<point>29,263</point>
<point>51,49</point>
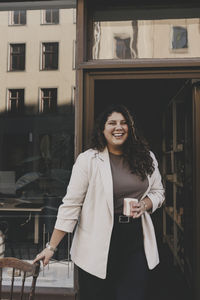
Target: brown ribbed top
<point>125,183</point>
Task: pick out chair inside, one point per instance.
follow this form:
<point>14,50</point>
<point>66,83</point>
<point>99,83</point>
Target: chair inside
<point>13,276</point>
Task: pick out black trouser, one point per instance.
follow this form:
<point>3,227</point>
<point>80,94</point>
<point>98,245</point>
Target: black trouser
<point>127,272</point>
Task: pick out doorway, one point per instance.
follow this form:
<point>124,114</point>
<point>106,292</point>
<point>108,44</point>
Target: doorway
<point>149,101</point>
<point>146,98</point>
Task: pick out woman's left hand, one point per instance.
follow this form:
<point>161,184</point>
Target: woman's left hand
<point>137,209</point>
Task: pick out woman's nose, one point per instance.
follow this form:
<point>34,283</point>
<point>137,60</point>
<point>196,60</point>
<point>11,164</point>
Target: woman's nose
<point>118,126</point>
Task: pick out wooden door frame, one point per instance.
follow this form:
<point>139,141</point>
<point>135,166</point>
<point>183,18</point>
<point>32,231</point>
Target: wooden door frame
<point>196,174</point>
<point>90,71</point>
<point>86,118</point>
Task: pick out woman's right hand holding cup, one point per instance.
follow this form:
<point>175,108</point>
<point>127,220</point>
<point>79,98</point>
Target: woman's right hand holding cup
<point>130,207</point>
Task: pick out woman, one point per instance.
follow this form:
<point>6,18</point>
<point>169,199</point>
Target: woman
<point>113,252</point>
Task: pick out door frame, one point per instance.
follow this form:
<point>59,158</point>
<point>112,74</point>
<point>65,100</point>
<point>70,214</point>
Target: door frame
<point>85,120</point>
<point>196,174</point>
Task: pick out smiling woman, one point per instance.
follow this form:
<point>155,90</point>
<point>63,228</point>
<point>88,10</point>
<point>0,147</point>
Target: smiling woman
<point>115,129</point>
<point>116,132</point>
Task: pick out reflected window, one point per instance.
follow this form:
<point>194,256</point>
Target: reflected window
<point>154,33</point>
<point>48,101</point>
<point>49,56</point>
<point>17,57</point>
<point>15,100</point>
<point>18,17</point>
<point>179,38</point>
<point>123,48</point>
<point>50,16</point>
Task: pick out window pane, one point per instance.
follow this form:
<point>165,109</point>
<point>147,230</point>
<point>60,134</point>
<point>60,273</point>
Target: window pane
<point>179,39</point>
<point>51,16</point>
<point>23,17</point>
<point>123,50</point>
<point>50,56</point>
<point>48,100</point>
<point>17,57</point>
<point>36,135</point>
<point>48,16</point>
<point>55,16</point>
<point>16,101</point>
<point>16,17</point>
<point>152,33</point>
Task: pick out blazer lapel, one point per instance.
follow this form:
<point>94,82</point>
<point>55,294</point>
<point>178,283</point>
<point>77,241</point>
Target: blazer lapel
<point>106,175</point>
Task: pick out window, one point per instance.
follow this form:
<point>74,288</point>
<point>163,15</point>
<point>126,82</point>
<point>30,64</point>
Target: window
<point>37,119</point>
<point>48,103</point>
<point>123,48</point>
<point>49,56</point>
<point>18,17</point>
<point>167,33</point>
<point>15,100</point>
<point>17,57</point>
<point>179,38</point>
<point>50,16</point>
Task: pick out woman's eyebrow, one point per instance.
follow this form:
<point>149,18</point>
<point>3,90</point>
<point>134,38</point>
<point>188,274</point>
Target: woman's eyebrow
<point>112,120</point>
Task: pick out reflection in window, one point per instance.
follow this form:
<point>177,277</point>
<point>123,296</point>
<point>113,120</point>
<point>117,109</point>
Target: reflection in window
<point>17,57</point>
<point>37,145</point>
<point>96,40</point>
<point>48,102</point>
<point>18,17</point>
<point>157,38</point>
<point>123,48</point>
<point>179,38</point>
<point>50,16</point>
<point>15,100</point>
<point>49,56</point>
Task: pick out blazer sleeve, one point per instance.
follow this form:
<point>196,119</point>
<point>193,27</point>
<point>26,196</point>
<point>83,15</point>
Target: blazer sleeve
<point>69,211</point>
<point>156,192</point>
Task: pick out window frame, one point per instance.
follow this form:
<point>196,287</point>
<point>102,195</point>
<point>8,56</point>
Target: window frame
<point>18,55</point>
<point>49,99</point>
<point>43,67</point>
<point>52,22</point>
<point>19,100</point>
<point>29,136</point>
<point>12,17</point>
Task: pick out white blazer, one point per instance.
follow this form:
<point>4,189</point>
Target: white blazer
<point>89,204</point>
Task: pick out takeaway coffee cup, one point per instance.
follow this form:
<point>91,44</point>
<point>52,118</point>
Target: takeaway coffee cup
<point>127,206</point>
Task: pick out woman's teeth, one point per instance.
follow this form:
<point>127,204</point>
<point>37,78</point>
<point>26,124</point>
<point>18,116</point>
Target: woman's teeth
<point>118,134</point>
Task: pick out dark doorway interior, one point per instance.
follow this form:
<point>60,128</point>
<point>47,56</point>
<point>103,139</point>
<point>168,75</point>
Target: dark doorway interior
<point>148,100</point>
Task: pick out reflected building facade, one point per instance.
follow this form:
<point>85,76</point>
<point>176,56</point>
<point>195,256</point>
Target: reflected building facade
<point>146,39</point>
<point>37,76</point>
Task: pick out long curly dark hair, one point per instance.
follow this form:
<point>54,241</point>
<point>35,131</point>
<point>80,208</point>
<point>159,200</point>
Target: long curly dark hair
<point>135,149</point>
